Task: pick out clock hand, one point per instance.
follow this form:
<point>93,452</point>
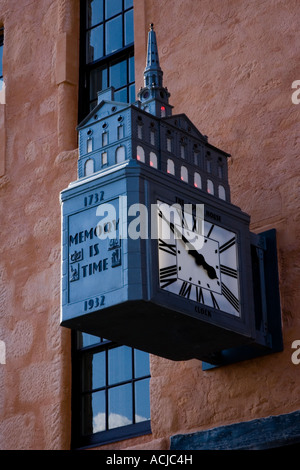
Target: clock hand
<point>200,261</point>
<point>199,258</point>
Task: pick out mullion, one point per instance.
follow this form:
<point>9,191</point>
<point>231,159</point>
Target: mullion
<point>133,384</point>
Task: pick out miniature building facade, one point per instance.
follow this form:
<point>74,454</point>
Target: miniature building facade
<point>148,132</point>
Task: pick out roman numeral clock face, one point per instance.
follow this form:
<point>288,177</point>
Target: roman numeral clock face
<point>199,263</point>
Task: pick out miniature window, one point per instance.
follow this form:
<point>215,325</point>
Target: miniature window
<point>220,171</point>
<point>153,160</point>
<point>120,154</point>
<point>222,194</point>
<point>104,139</point>
<point>210,187</point>
<point>152,137</point>
<point>140,154</point>
<point>170,167</point>
<point>197,181</point>
<point>184,174</point>
<point>89,167</point>
<point>89,145</point>
<point>140,132</point>
<point>120,132</point>
<point>208,164</point>
<point>104,160</point>
<point>197,157</point>
<point>182,151</point>
<point>163,111</point>
<point>169,144</point>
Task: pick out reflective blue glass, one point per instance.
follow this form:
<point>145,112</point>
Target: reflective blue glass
<point>120,406</point>
<point>118,74</point>
<point>98,81</point>
<point>131,69</point>
<point>142,401</point>
<point>119,364</point>
<point>121,95</point>
<point>128,27</point>
<point>114,35</point>
<point>94,44</point>
<point>141,363</point>
<point>128,4</point>
<point>94,12</point>
<point>112,8</point>
<point>94,413</point>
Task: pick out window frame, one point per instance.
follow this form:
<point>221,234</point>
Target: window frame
<point>80,441</point>
<point>1,45</point>
<point>107,60</point>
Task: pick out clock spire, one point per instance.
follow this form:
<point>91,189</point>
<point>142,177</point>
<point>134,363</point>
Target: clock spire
<point>153,96</point>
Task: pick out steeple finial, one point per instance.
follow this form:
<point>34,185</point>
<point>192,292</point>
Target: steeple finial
<point>152,64</point>
<point>153,93</point>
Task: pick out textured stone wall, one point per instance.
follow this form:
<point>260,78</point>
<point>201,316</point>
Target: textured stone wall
<point>40,160</point>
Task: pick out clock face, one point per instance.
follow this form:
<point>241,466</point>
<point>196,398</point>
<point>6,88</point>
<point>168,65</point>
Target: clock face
<point>199,262</point>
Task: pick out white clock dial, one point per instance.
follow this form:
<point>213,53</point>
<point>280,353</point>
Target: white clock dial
<point>200,267</point>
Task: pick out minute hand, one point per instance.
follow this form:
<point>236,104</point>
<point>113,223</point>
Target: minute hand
<point>199,258</point>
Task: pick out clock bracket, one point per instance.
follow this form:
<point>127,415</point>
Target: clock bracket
<point>267,310</point>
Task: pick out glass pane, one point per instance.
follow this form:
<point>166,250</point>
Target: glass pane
<point>132,96</point>
<point>121,95</point>
<point>141,363</point>
<point>119,364</point>
<point>94,413</point>
<point>112,8</point>
<point>120,406</point>
<point>128,4</point>
<point>94,371</point>
<point>94,12</point>
<point>1,58</point>
<point>114,35</point>
<point>142,401</point>
<point>85,340</point>
<point>128,27</point>
<point>98,81</point>
<point>95,44</point>
<point>131,69</point>
<point>118,74</point>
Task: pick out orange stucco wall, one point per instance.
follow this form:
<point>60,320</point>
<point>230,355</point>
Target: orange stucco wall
<point>230,67</point>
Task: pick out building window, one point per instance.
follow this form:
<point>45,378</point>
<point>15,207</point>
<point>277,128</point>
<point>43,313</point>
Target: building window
<point>222,194</point>
<point>210,187</point>
<point>89,167</point>
<point>184,174</point>
<point>153,160</point>
<point>107,54</point>
<point>197,181</point>
<point>170,167</point>
<point>120,154</point>
<point>104,160</point>
<point>1,58</point>
<point>140,154</point>
<point>89,145</point>
<point>110,382</point>
<point>113,381</point>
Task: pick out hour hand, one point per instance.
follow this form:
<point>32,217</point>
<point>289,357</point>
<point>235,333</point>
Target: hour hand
<point>200,261</point>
